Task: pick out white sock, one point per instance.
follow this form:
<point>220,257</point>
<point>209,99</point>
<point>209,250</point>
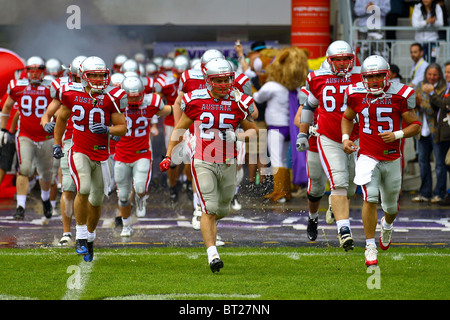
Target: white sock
<point>212,253</point>
<point>371,242</point>
<point>21,200</point>
<point>91,236</point>
<point>386,226</point>
<point>342,223</point>
<point>195,201</point>
<point>313,215</point>
<point>127,221</point>
<point>45,195</point>
<point>82,231</point>
<point>53,202</point>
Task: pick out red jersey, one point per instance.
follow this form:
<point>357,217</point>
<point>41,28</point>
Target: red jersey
<point>327,92</point>
<point>33,101</point>
<point>191,80</point>
<point>136,142</point>
<point>56,93</point>
<point>85,112</point>
<point>149,84</point>
<point>211,116</point>
<point>168,87</point>
<point>380,115</point>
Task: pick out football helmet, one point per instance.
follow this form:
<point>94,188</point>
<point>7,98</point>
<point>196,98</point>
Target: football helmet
<point>130,65</point>
<point>339,49</point>
<point>218,68</point>
<point>116,79</point>
<point>118,61</point>
<point>53,67</point>
<point>375,65</point>
<point>151,69</point>
<point>181,63</point>
<point>74,68</point>
<point>158,60</point>
<point>94,65</point>
<point>166,64</point>
<point>35,68</point>
<point>208,55</point>
<point>134,89</point>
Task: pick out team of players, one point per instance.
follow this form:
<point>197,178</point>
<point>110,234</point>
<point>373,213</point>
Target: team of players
<point>97,122</point>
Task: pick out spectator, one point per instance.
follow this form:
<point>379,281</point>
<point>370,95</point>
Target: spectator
<point>440,103</point>
<point>395,74</point>
<point>253,67</point>
<point>419,66</point>
<point>428,14</point>
<point>427,140</point>
<point>397,10</point>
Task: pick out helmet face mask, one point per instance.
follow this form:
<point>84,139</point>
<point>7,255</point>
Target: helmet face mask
<point>375,73</point>
<point>219,77</point>
<point>35,69</point>
<point>94,73</point>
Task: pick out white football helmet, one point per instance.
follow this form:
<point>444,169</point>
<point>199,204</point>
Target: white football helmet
<point>93,66</point>
<point>130,65</point>
<point>134,89</point>
<point>218,68</point>
<point>54,68</point>
<point>35,67</point>
<point>181,63</point>
<point>158,60</point>
<point>166,64</point>
<point>118,61</point>
<point>375,65</point>
<point>74,68</point>
<point>116,79</point>
<point>151,69</point>
<point>208,55</point>
<point>339,49</point>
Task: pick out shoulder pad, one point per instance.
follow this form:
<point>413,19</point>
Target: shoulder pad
<point>401,89</point>
<point>356,88</point>
<point>74,86</point>
<point>22,82</point>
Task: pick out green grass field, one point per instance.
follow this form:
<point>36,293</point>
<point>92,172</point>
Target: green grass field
<point>249,274</point>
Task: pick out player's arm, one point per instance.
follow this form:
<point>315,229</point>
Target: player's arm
<point>297,116</point>
<point>177,108</point>
<point>255,113</point>
<point>61,123</point>
<point>412,128</point>
<point>119,127</point>
<point>167,110</point>
<point>250,130</point>
<point>307,114</point>
<point>5,112</point>
<point>347,128</point>
<point>175,138</point>
<point>50,112</point>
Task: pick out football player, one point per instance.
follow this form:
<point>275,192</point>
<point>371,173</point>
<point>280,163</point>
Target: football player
<point>381,107</point>
<point>133,157</point>
<point>215,112</point>
<point>93,107</point>
<point>33,143</point>
<point>326,92</point>
<point>68,186</point>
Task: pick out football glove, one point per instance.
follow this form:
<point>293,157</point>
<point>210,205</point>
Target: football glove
<point>49,127</point>
<point>165,164</point>
<point>228,136</point>
<point>100,128</point>
<point>57,151</point>
<point>302,142</point>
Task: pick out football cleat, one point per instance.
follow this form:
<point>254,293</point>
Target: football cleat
<point>126,231</point>
<point>173,194</point>
<point>90,255</point>
<point>385,236</point>
<point>371,255</point>
<point>197,215</point>
<point>48,209</point>
<point>215,265</point>
<point>235,204</point>
<point>140,206</point>
<point>311,229</point>
<point>81,246</point>
<point>345,238</point>
<point>66,240</point>
<point>19,214</point>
